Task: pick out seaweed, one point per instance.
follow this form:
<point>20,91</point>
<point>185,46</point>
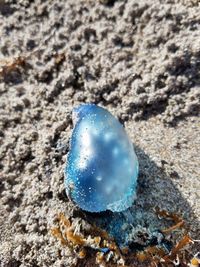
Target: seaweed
<point>96,243</point>
<point>101,244</point>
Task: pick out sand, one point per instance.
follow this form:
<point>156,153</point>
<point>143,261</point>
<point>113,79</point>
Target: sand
<point>138,59</point>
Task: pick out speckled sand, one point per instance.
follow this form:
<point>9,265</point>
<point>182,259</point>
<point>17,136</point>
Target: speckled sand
<point>138,59</point>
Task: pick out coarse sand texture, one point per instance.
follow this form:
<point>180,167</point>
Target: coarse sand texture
<point>138,59</point>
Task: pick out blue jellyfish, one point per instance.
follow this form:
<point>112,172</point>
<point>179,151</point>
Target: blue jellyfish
<point>102,167</point>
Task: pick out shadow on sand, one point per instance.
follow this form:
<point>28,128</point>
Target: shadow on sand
<point>155,189</point>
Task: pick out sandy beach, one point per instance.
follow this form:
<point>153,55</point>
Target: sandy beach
<point>138,59</point>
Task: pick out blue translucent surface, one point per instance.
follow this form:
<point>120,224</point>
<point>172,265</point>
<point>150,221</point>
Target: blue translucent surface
<point>102,168</point>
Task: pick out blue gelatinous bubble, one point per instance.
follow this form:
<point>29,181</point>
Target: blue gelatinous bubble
<point>102,168</point>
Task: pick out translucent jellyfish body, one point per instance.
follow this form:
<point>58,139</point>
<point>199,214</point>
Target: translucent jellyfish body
<point>102,167</point>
